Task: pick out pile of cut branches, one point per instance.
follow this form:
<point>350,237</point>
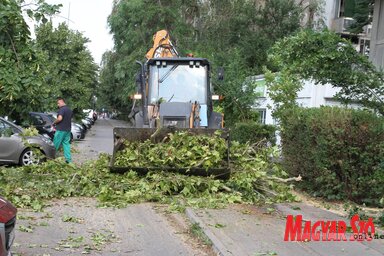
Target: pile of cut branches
<point>254,179</point>
<point>179,150</point>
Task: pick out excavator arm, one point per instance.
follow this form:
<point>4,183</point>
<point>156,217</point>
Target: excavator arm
<point>162,46</point>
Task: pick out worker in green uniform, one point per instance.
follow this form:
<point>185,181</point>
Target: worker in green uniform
<point>63,125</point>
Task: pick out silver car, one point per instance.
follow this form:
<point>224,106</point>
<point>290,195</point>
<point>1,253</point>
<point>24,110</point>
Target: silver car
<point>16,151</point>
<point>77,132</point>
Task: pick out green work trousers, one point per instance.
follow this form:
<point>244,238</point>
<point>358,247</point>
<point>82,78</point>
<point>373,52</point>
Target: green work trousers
<point>63,138</point>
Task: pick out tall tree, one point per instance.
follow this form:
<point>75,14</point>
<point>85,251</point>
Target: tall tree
<point>363,13</point>
<point>22,86</point>
<point>111,93</point>
<point>72,73</point>
<point>133,24</point>
<point>234,34</point>
<point>325,57</point>
<point>237,35</point>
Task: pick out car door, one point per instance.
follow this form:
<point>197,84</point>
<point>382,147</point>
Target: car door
<point>37,120</point>
<point>10,143</point>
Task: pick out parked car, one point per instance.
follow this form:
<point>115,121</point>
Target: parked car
<point>86,123</point>
<point>7,226</point>
<point>16,151</point>
<point>41,121</point>
<point>90,114</point>
<point>91,120</point>
<point>77,131</point>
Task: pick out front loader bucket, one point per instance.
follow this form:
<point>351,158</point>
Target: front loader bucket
<point>122,135</point>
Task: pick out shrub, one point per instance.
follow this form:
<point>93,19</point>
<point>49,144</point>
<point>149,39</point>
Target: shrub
<point>253,132</point>
<point>339,152</point>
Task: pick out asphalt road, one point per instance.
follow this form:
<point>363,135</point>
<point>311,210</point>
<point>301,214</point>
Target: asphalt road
<point>99,139</point>
<point>76,226</point>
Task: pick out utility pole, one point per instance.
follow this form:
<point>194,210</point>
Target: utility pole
<point>69,11</point>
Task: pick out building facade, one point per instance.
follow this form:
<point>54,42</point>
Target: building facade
<point>377,40</point>
<point>311,96</point>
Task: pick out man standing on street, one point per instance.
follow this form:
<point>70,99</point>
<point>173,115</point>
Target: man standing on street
<point>63,129</point>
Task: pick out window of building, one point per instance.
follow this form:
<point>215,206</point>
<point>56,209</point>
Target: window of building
<point>364,46</point>
<point>262,115</point>
<point>260,88</point>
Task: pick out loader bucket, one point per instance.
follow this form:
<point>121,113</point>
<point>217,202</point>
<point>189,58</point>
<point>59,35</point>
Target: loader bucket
<point>122,135</point>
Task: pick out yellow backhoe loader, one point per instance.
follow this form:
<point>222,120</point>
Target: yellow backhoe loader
<point>175,95</point>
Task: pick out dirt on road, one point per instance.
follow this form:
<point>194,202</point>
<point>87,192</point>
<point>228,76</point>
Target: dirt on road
<point>77,226</point>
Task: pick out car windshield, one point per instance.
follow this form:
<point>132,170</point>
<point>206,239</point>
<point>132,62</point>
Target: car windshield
<point>51,117</point>
<point>8,127</point>
<point>178,83</point>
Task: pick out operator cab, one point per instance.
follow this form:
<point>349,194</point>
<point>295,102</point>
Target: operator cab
<point>178,80</point>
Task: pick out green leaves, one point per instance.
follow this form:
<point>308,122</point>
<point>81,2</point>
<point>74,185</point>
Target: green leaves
<point>325,57</point>
<point>180,150</point>
<point>338,151</point>
<point>253,180</point>
<point>67,218</point>
<point>28,229</point>
<point>71,70</point>
<point>234,34</point>
<point>34,73</point>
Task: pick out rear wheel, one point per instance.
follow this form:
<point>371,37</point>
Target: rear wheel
<point>31,156</point>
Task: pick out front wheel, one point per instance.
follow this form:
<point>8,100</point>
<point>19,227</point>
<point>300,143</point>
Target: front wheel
<point>31,156</point>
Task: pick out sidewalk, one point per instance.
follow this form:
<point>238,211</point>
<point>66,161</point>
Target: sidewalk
<point>250,230</point>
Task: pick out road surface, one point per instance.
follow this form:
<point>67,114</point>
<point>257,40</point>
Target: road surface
<point>76,226</point>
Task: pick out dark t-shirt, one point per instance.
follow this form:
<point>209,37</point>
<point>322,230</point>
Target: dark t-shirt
<point>65,124</point>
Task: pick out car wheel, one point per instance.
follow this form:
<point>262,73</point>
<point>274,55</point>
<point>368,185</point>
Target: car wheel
<point>31,156</point>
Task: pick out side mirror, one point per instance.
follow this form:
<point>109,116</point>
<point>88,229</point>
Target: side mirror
<point>220,74</point>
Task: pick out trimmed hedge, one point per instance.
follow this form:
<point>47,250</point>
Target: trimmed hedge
<point>253,132</point>
<point>339,152</point>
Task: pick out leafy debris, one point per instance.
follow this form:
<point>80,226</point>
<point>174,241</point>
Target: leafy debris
<point>255,178</point>
<point>180,150</point>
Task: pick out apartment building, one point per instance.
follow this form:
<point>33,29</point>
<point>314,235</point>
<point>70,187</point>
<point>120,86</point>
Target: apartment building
<point>377,35</point>
<point>337,17</point>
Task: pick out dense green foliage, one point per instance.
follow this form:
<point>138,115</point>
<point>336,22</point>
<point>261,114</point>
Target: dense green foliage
<point>254,179</point>
<point>339,152</point>
<point>233,34</point>
<point>324,57</point>
<point>362,14</point>
<point>21,77</point>
<point>71,72</point>
<point>253,132</point>
<point>177,150</point>
<point>34,72</point>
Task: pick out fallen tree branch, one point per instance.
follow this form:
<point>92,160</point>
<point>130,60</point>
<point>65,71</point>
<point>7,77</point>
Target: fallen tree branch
<point>298,178</point>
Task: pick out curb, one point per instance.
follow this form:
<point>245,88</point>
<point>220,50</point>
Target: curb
<point>217,245</point>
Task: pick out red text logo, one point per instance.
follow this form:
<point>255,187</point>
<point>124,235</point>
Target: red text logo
<point>330,230</point>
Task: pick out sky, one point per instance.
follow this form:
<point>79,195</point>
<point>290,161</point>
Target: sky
<point>90,18</point>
